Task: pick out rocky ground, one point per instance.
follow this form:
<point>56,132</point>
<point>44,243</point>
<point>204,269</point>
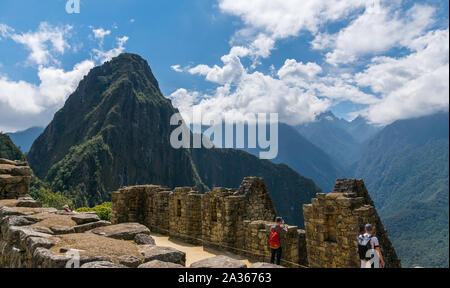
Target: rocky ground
<point>35,237</point>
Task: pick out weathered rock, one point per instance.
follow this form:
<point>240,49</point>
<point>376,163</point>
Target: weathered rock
<point>44,258</point>
<point>18,235</point>
<point>61,230</point>
<point>29,204</point>
<point>35,242</point>
<point>144,239</point>
<point>44,230</point>
<point>130,261</point>
<point>84,218</point>
<point>160,264</point>
<point>263,265</point>
<point>124,231</point>
<point>11,162</point>
<point>92,258</point>
<point>102,265</point>
<point>219,262</point>
<point>6,211</point>
<point>89,226</point>
<point>166,254</point>
<point>18,221</point>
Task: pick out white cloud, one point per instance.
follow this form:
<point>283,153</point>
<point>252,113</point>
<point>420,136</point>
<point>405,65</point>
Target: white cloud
<point>55,85</point>
<point>285,18</point>
<point>24,104</point>
<point>183,98</point>
<point>176,68</point>
<point>43,42</point>
<point>100,33</point>
<point>377,30</point>
<point>232,71</point>
<point>5,31</point>
<point>293,70</point>
<point>412,86</point>
<point>103,56</point>
<point>242,93</point>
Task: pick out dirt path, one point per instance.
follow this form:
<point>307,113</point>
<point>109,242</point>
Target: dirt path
<point>194,253</point>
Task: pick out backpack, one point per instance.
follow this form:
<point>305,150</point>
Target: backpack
<point>274,240</point>
<point>364,245</point>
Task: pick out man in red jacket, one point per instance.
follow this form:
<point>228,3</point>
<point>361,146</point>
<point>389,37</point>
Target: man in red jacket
<point>275,240</point>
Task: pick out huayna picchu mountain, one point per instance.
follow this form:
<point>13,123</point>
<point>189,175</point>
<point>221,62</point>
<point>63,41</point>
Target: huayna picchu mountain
<point>114,131</point>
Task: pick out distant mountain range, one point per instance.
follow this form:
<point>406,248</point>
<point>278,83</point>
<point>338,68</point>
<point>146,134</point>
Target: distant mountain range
<point>339,138</point>
<point>24,139</point>
<point>298,153</point>
<point>114,131</point>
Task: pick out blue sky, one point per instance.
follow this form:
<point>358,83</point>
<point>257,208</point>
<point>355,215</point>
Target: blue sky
<point>295,57</point>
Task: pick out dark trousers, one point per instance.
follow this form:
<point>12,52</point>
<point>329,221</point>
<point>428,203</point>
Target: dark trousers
<point>277,253</point>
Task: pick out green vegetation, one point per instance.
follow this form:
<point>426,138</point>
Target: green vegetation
<point>103,210</point>
<point>8,150</point>
<point>51,199</point>
<point>406,169</point>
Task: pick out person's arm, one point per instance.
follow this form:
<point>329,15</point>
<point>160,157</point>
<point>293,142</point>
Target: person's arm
<point>284,227</point>
<point>380,256</point>
<point>376,245</point>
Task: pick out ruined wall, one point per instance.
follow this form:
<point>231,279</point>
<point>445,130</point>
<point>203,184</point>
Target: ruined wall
<point>235,220</point>
<point>185,215</point>
<point>258,204</point>
<point>146,204</point>
<point>15,178</point>
<point>223,213</point>
<point>333,222</point>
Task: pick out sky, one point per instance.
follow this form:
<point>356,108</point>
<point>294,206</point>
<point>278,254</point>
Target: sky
<point>383,60</point>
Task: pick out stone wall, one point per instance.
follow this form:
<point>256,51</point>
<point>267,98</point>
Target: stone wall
<point>147,204</point>
<point>15,178</point>
<point>333,222</point>
<point>223,213</point>
<point>185,215</point>
<point>223,218</point>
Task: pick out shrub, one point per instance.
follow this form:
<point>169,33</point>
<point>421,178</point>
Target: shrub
<point>103,210</point>
<point>50,199</point>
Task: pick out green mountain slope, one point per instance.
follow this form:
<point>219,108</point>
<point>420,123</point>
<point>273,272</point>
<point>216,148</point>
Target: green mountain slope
<point>405,167</point>
<point>114,131</point>
<point>8,150</point>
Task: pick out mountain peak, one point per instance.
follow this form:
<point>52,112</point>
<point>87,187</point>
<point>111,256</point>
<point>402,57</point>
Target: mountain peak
<point>327,115</point>
<point>130,63</point>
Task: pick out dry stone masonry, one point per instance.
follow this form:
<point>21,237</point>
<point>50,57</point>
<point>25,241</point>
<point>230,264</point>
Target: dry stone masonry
<point>15,178</point>
<point>333,222</point>
<point>235,220</point>
<point>239,221</point>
